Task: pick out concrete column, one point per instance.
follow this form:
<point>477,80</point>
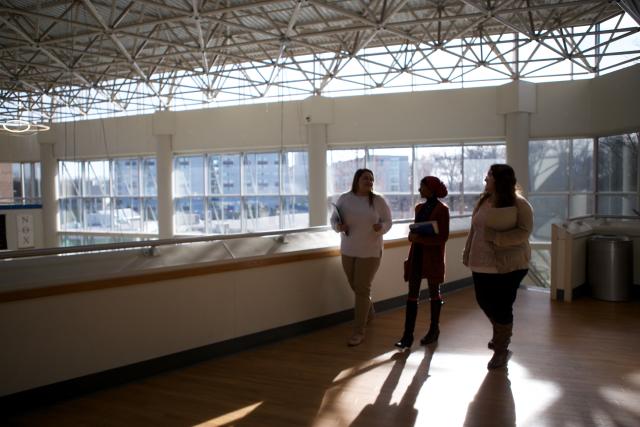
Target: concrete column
<point>517,100</point>
<point>317,151</point>
<point>49,173</point>
<point>317,115</point>
<point>164,125</point>
<point>164,170</point>
<point>517,135</point>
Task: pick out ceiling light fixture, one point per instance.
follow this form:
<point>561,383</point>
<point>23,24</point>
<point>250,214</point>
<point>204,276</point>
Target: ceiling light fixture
<point>21,127</point>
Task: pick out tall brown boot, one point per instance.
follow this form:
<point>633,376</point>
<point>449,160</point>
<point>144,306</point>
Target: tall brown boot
<point>493,334</point>
<point>501,340</point>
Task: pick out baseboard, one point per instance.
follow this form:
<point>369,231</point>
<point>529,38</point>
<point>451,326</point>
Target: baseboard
<point>49,394</point>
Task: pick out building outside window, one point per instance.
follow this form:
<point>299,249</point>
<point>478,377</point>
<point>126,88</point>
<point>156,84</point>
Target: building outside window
<point>244,192</point>
<point>20,183</point>
<point>398,171</point>
<point>117,195</point>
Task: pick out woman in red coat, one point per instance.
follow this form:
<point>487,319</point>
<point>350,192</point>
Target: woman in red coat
<point>426,260</point>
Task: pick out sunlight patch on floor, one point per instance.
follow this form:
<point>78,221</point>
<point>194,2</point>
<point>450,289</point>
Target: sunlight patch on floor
<point>231,417</point>
<point>443,389</point>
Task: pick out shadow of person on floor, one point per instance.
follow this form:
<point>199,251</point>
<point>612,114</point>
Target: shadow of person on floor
<point>493,404</point>
<point>403,413</point>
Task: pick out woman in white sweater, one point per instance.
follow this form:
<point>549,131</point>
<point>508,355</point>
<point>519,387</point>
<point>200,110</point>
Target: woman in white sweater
<point>362,217</point>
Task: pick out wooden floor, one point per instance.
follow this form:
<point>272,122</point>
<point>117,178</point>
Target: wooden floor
<point>574,364</point>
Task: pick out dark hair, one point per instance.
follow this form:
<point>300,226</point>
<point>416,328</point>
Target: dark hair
<point>356,178</point>
<point>505,186</point>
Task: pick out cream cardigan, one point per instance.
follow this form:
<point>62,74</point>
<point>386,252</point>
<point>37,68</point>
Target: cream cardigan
<point>511,247</point>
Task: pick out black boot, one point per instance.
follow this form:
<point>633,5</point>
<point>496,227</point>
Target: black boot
<point>434,329</point>
<point>409,325</point>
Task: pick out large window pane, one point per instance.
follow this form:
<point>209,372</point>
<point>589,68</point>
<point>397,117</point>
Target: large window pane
<point>150,215</point>
<point>618,163</point>
<point>580,205</point>
<point>261,173</point>
<point>97,213</point>
<point>149,177</point>
<point>224,174</point>
<point>392,169</point>
<point>341,165</point>
<point>70,178</point>
<point>549,165</point>
<point>189,215</point>
<point>619,204</point>
<point>96,178</point>
<point>401,205</point>
<point>547,210</point>
<point>16,178</point>
<point>6,183</point>
<point>189,176</point>
<point>71,214</point>
<point>443,162</point>
<point>295,173</point>
<point>477,160</point>
<point>127,216</point>
<point>295,212</point>
<point>224,215</point>
<point>126,179</point>
<point>262,213</point>
<point>582,165</point>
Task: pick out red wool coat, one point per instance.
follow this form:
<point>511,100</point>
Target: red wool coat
<point>433,265</point>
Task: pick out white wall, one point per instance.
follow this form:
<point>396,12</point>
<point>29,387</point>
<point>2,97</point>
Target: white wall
<point>52,339</point>
<point>601,106</point>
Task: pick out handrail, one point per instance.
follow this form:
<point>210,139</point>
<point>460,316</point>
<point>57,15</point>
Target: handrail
<point>25,253</point>
<point>147,244</point>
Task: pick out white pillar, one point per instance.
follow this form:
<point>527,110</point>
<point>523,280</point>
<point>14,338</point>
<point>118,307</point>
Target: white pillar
<point>164,171</point>
<point>517,139</point>
<point>317,115</point>
<point>517,100</point>
<point>49,173</point>
<point>317,151</point>
<point>164,125</point>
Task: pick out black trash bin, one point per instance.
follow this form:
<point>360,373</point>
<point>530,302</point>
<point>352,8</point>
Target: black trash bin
<point>610,267</point>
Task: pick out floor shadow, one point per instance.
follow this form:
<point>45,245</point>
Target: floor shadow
<point>403,413</point>
<point>493,404</point>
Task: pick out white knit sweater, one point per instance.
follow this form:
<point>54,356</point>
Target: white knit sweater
<point>362,241</point>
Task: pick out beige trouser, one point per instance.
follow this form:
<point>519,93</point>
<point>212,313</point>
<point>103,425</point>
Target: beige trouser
<point>360,273</point>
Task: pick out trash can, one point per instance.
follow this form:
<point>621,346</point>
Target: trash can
<point>610,267</point>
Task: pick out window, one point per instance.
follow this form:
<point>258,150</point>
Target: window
<point>118,195</point>
<point>398,172</point>
<point>618,175</point>
<point>560,182</point>
<point>20,183</point>
<point>242,192</point>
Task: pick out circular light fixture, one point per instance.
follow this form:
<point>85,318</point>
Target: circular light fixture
<point>22,127</point>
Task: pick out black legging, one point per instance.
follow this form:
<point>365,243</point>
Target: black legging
<point>496,294</point>
<point>414,290</point>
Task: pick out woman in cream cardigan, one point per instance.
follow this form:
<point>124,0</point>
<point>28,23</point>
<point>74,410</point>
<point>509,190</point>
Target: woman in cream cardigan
<point>497,251</point>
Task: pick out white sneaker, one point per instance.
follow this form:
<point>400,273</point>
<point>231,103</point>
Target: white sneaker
<point>356,339</point>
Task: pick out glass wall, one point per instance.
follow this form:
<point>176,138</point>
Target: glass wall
<point>398,172</point>
<point>618,177</point>
<point>240,192</point>
<point>560,182</point>
<point>117,195</point>
<point>563,184</point>
<point>20,183</point>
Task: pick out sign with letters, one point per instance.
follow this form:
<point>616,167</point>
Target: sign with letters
<point>25,231</point>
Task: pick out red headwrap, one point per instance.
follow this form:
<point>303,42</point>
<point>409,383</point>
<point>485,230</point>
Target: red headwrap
<point>436,186</point>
